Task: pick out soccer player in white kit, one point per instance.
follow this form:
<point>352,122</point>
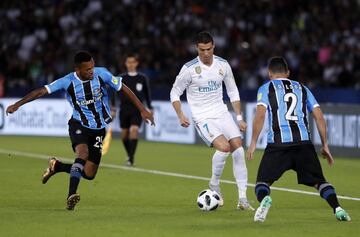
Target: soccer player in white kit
<point>202,79</point>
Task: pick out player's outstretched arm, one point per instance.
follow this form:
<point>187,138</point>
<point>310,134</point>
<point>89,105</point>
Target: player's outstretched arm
<point>145,114</point>
<point>321,126</point>
<point>33,95</point>
<point>258,123</point>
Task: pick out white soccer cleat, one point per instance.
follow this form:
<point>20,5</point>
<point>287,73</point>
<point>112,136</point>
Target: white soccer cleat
<point>216,188</point>
<point>244,205</point>
<point>263,209</point>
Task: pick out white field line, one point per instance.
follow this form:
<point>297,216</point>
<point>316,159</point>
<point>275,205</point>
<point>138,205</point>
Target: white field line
<point>158,172</point>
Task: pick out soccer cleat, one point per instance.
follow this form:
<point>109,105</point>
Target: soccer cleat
<point>341,214</point>
<point>216,188</point>
<point>129,162</point>
<point>244,205</point>
<point>261,212</point>
<point>72,201</point>
<point>50,171</point>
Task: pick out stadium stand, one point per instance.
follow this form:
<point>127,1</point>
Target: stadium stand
<point>320,39</point>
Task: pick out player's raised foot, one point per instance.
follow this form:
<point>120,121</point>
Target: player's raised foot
<point>50,171</point>
<point>263,209</point>
<point>72,201</point>
<point>341,214</point>
<point>216,188</point>
<point>244,205</point>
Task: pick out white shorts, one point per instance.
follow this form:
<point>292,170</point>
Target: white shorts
<point>209,129</point>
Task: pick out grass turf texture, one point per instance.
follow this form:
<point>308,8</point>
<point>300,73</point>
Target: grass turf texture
<point>126,203</point>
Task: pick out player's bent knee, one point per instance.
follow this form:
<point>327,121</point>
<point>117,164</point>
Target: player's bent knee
<point>221,144</point>
<point>83,154</point>
<point>235,143</point>
<point>87,177</point>
<point>134,132</point>
<point>84,157</point>
<point>224,148</point>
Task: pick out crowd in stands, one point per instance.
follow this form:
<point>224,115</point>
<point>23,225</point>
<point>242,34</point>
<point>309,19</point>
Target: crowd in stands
<point>320,39</point>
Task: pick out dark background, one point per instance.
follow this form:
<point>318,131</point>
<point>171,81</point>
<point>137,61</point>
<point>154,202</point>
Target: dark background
<point>319,39</point>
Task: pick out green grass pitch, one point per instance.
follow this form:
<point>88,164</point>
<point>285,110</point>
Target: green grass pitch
<point>121,202</point>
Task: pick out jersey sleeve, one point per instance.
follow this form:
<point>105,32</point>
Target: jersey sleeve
<point>263,95</point>
<point>59,84</point>
<point>231,88</point>
<point>182,81</point>
<point>311,102</point>
<point>109,79</point>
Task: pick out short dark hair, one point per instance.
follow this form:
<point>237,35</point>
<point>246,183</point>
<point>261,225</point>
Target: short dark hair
<point>278,64</point>
<point>82,56</point>
<point>204,37</point>
<point>133,55</point>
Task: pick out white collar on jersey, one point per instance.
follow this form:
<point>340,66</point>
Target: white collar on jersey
<point>132,74</point>
<point>76,76</point>
<point>202,64</point>
<point>282,78</point>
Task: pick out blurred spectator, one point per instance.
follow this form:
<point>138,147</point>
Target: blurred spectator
<point>320,39</point>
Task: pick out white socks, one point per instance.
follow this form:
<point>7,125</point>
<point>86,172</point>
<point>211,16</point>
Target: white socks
<point>240,171</point>
<point>218,164</point>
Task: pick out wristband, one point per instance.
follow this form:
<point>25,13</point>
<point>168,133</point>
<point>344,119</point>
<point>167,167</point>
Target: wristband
<point>239,118</point>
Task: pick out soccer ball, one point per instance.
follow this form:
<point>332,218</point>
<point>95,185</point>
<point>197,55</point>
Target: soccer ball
<point>208,200</point>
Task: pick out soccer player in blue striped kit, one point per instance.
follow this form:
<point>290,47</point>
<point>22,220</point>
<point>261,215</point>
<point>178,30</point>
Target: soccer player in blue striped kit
<point>87,92</point>
<point>289,146</point>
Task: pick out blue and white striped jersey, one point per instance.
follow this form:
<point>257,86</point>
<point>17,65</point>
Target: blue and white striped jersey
<point>89,99</point>
<point>287,103</point>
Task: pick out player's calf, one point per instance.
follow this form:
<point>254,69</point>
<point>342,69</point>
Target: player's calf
<point>261,190</point>
<point>327,192</point>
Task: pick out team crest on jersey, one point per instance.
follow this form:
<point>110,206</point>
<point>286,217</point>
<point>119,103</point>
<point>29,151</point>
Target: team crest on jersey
<point>139,86</point>
<point>221,72</point>
<point>259,96</point>
<point>114,80</point>
<point>198,69</point>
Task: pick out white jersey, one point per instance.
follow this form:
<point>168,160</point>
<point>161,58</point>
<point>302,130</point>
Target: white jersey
<point>204,88</point>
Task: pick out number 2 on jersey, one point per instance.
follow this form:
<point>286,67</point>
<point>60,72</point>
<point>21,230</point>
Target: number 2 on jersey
<point>290,114</point>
